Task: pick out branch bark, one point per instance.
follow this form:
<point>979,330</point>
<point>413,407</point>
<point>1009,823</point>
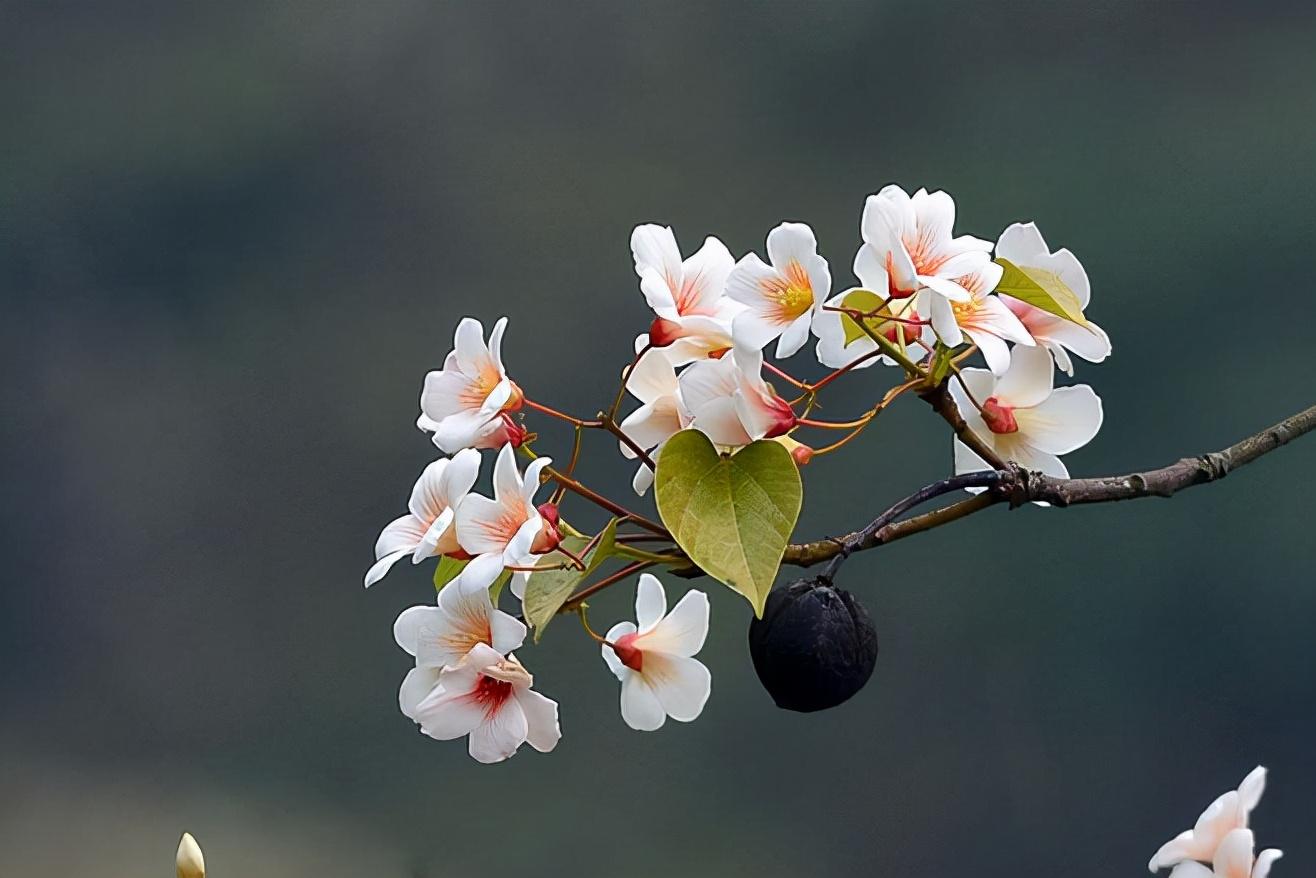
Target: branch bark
<point>1016,486</point>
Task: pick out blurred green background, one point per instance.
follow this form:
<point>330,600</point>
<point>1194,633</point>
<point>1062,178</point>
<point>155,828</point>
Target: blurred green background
<point>234,237</point>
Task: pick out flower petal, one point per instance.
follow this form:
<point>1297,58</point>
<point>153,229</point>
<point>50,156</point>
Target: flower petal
<point>654,247</point>
<point>500,735</point>
<point>615,633</point>
<point>1068,419</point>
<point>446,714</point>
<point>541,715</point>
<point>1233,859</point>
<point>416,687</point>
<point>411,621</point>
<point>682,631</point>
<point>1250,790</point>
<point>682,685</point>
<point>384,564</point>
<point>1191,869</point>
<point>1028,381</point>
<point>650,602</point>
<point>640,707</point>
<point>1265,860</point>
<point>794,336</point>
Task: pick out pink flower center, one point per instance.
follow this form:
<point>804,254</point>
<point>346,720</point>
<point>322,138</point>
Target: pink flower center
<point>630,655</point>
<point>999,418</point>
<point>902,333</point>
<point>491,694</point>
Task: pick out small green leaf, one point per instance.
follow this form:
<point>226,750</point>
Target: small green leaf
<point>732,515</point>
<point>868,301</point>
<point>547,591</point>
<point>447,571</point>
<point>1042,289</point>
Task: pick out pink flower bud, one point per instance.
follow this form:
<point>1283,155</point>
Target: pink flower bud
<point>999,418</point>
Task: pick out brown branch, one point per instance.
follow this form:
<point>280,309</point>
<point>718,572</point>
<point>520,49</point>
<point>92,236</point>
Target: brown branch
<point>1017,486</point>
<point>943,404</point>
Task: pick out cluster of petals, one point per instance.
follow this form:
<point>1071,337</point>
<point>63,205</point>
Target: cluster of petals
<point>687,295</point>
<point>780,296</point>
<point>429,527</point>
<point>1220,838</point>
<point>445,519</point>
<point>728,400</point>
<point>466,404</point>
<point>653,657</point>
<point>661,415</point>
<point>466,681</point>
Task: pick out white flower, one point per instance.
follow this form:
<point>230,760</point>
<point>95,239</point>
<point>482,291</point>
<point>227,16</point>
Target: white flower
<point>189,862</point>
<point>427,530</point>
<point>1226,814</point>
<point>654,661</point>
<point>653,382</point>
<point>441,636</point>
<point>1233,859</point>
<point>1023,245</point>
<point>982,317</point>
<point>488,697</point>
<point>730,402</point>
<point>781,297</point>
<point>910,238</point>
<point>465,403</point>
<point>509,526</point>
<point>832,327</point>
<point>1023,418</point>
<point>686,295</point>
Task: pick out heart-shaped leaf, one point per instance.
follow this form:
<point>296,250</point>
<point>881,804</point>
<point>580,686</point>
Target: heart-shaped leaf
<point>731,514</point>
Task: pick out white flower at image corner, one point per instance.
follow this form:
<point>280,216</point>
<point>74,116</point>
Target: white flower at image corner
<point>911,239</point>
<point>1024,418</point>
<point>1233,859</point>
<point>780,298</point>
<point>728,400</point>
<point>465,403</point>
<point>686,295</point>
<point>1227,813</point>
<point>441,636</point>
<point>654,658</point>
<point>984,318</point>
<point>660,416</point>
<point>428,528</point>
<point>509,526</point>
<point>1023,245</point>
<point>488,697</point>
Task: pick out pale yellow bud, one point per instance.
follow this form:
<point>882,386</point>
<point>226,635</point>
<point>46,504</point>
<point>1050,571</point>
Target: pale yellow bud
<point>190,863</point>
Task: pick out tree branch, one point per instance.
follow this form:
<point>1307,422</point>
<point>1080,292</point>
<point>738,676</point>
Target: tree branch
<point>1015,485</point>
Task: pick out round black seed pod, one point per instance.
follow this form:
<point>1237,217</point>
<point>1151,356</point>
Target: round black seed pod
<point>814,647</point>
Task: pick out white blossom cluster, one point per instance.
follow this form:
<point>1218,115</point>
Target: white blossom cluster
<point>925,291</point>
<point>1220,844</point>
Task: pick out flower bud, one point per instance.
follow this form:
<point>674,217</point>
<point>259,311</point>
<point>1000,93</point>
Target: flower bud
<point>814,647</point>
<point>662,332</point>
<point>189,862</point>
<point>549,536</point>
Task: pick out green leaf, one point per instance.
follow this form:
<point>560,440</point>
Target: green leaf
<point>1042,289</point>
<point>547,591</point>
<point>867,301</point>
<point>447,571</point>
<point>732,515</point>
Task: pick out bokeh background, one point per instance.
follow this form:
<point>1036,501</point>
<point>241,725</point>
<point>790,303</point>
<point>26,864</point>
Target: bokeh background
<point>234,236</point>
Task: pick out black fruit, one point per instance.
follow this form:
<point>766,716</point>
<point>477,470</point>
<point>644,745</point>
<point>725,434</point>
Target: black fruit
<point>814,647</point>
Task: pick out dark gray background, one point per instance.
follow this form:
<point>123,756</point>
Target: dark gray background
<point>234,236</point>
